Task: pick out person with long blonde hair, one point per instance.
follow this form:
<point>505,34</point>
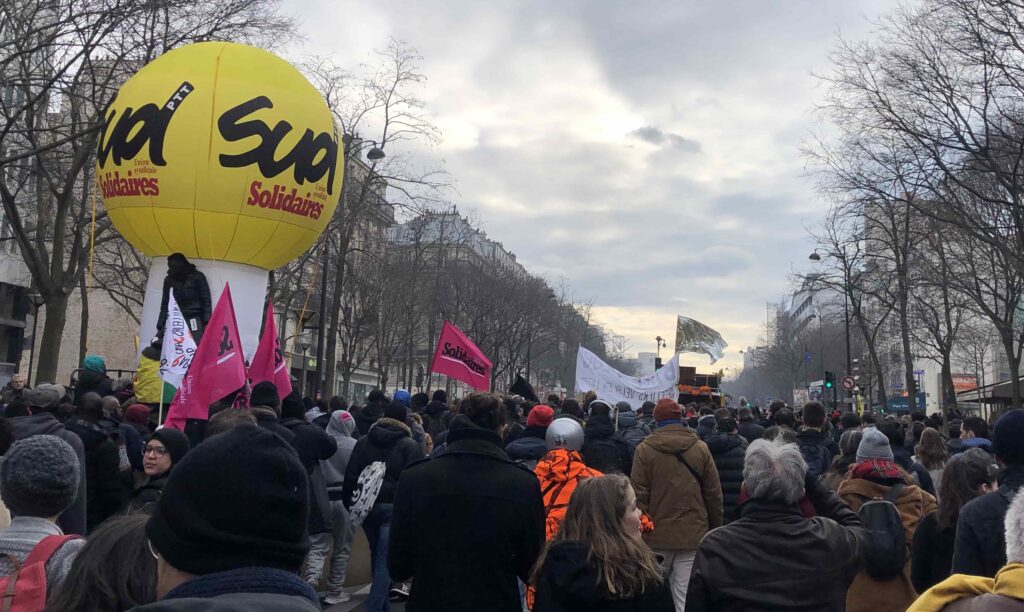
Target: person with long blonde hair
<point>597,560</point>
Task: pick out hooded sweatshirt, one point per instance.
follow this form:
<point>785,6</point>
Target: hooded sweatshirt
<point>389,441</point>
<point>340,428</point>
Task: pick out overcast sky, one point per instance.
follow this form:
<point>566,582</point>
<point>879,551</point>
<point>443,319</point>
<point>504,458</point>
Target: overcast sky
<point>644,152</point>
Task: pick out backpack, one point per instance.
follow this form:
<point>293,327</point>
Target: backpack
<point>634,436</point>
<point>817,457</point>
<point>366,492</point>
<point>604,455</point>
<point>25,589</point>
<point>886,550</point>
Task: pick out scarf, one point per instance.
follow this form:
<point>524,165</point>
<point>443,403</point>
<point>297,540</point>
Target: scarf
<point>877,469</point>
<point>1009,582</point>
<point>244,580</point>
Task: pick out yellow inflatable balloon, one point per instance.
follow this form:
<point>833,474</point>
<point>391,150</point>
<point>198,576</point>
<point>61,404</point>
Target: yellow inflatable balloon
<point>220,151</point>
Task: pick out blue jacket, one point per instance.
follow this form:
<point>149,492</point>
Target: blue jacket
<point>531,447</point>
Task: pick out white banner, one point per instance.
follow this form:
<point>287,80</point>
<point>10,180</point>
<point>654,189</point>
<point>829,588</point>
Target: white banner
<point>178,348</point>
<point>613,386</point>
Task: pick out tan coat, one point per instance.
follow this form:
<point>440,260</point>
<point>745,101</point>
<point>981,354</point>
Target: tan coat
<point>867,594</point>
<point>682,509</point>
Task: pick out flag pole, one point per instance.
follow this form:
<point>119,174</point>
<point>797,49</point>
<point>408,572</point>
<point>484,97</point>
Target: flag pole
<point>160,411</point>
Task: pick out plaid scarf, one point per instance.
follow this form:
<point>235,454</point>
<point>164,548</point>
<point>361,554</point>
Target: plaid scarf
<point>877,469</point>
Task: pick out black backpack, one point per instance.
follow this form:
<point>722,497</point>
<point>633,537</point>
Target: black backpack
<point>817,457</point>
<point>605,455</point>
<point>886,550</point>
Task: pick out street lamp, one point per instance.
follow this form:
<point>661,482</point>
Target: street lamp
<point>661,344</point>
<point>846,311</point>
<point>304,344</point>
<point>37,303</point>
<point>375,154</point>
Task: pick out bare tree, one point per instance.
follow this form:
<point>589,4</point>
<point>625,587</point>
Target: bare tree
<point>62,62</point>
<point>379,111</point>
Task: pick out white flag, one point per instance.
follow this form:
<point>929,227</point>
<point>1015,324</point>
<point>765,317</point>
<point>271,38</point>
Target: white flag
<point>178,348</point>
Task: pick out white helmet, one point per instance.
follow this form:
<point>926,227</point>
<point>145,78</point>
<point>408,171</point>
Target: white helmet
<point>564,433</point>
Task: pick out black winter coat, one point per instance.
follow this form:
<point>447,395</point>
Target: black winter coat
<point>931,553</point>
<point>980,542</point>
<point>567,580</point>
<point>104,494</point>
<point>313,445</point>
<point>389,441</point>
<point>266,419</point>
<point>465,525</point>
<point>706,426</point>
<point>817,449</point>
<point>603,449</point>
<point>750,430</point>
<point>192,293</point>
<point>367,416</point>
<point>144,499</point>
<point>435,422</point>
<point>762,561</point>
<point>728,451</point>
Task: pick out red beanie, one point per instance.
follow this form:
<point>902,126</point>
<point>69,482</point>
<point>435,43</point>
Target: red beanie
<point>667,409</point>
<point>540,416</point>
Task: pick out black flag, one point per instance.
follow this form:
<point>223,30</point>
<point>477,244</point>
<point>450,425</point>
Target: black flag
<point>523,388</point>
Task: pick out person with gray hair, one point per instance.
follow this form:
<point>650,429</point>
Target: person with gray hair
<point>1004,593</point>
<point>828,547</point>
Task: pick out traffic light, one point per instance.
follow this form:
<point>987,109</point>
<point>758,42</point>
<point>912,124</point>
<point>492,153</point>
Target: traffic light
<point>830,379</point>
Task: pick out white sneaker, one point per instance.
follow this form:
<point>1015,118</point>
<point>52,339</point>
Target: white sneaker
<point>337,599</point>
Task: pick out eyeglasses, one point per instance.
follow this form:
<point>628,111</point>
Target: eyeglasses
<point>159,451</point>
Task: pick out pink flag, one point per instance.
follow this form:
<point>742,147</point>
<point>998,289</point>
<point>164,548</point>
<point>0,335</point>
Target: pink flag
<point>268,362</point>
<point>458,357</point>
<point>217,369</point>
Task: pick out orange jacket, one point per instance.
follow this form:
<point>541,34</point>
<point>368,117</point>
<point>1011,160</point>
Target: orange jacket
<point>559,472</point>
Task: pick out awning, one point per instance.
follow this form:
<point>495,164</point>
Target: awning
<point>995,393</point>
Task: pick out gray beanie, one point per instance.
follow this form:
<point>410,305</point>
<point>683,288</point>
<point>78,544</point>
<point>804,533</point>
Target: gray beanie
<point>874,445</point>
<point>39,477</point>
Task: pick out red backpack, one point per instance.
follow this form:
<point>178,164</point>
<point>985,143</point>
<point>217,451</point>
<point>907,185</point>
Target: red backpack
<point>25,589</point>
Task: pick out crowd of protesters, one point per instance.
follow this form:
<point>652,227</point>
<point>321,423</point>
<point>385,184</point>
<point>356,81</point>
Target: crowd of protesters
<point>500,503</point>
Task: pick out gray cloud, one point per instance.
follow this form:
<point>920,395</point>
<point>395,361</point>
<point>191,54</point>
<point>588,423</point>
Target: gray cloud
<point>540,102</point>
<point>655,136</point>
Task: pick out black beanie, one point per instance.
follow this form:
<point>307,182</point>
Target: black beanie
<point>176,443</point>
<point>440,396</point>
<point>292,407</point>
<point>396,411</point>
<point>239,499</point>
<point>265,394</point>
<point>1008,437</point>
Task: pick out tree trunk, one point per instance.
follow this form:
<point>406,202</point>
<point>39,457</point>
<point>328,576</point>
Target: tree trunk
<point>876,364</point>
<point>56,305</point>
<point>1015,394</point>
<point>948,392</point>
